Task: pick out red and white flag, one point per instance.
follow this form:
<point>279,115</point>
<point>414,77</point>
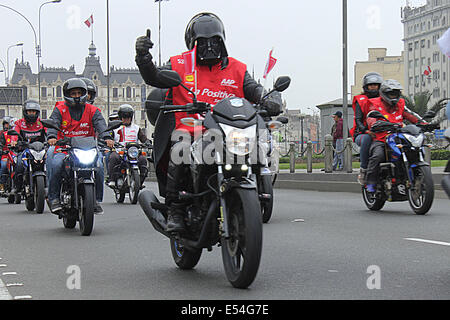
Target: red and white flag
<point>189,63</point>
<point>90,21</point>
<point>427,71</point>
<point>270,64</point>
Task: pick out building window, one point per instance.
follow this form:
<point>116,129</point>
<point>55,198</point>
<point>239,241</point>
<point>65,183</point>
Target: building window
<point>422,43</point>
<point>44,92</point>
<point>410,46</point>
<point>128,92</point>
<point>143,93</point>
<point>58,92</point>
<point>2,113</point>
<point>43,114</point>
<point>115,92</point>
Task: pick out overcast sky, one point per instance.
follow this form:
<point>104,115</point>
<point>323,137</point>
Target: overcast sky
<point>306,36</point>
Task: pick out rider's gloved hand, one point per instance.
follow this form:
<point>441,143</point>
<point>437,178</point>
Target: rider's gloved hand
<point>52,141</point>
<point>144,44</point>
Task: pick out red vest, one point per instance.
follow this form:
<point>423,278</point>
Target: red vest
<point>31,131</point>
<point>362,100</point>
<point>395,117</point>
<point>212,85</point>
<point>73,128</point>
<point>8,139</point>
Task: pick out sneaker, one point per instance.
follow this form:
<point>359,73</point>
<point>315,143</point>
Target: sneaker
<point>371,188</point>
<point>55,206</point>
<point>98,209</point>
<point>362,176</point>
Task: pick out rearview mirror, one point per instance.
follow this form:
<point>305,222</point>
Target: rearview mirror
<point>430,114</point>
<point>113,125</point>
<point>170,77</point>
<point>282,83</point>
<point>49,123</point>
<point>283,120</point>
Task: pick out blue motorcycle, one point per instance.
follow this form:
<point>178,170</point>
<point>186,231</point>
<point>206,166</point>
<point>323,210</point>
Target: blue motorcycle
<point>404,176</point>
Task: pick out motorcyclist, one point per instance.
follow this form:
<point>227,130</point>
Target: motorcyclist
<point>30,129</point>
<point>5,139</point>
<point>76,118</point>
<point>393,108</point>
<point>362,136</point>
<point>91,89</point>
<point>129,132</point>
<point>215,72</point>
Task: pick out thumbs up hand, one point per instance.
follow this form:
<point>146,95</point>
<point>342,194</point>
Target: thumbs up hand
<point>143,44</point>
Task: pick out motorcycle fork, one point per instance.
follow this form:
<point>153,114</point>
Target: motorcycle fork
<point>223,220</point>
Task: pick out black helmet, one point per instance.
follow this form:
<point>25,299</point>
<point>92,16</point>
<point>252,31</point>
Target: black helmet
<point>390,92</point>
<point>91,88</point>
<point>72,84</point>
<point>31,105</point>
<point>6,120</point>
<point>125,111</point>
<point>209,30</point>
<point>372,78</point>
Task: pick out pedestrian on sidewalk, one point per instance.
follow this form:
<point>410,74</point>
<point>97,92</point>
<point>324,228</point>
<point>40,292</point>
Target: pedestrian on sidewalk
<point>338,142</point>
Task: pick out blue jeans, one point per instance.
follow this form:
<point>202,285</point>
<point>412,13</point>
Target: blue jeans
<point>3,170</point>
<point>363,141</point>
<point>338,160</point>
<point>55,163</point>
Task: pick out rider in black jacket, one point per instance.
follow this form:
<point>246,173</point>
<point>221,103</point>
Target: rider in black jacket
<point>207,28</point>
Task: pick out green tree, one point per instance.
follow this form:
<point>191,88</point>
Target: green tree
<point>419,104</point>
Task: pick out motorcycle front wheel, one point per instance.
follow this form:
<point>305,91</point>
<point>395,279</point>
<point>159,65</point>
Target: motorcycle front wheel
<point>86,209</point>
<point>421,194</point>
<point>135,186</point>
<point>39,194</point>
<point>241,252</point>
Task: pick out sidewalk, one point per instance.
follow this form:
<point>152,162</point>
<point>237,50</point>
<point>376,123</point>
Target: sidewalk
<point>338,181</point>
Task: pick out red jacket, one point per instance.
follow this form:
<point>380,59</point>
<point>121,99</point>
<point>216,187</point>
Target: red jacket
<point>73,128</point>
<point>212,85</point>
<point>363,102</point>
<point>394,115</point>
<point>31,131</point>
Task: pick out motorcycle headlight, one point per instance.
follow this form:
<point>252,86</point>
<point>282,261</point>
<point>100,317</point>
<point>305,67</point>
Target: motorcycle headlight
<point>85,156</point>
<point>38,155</point>
<point>239,141</point>
<point>133,152</point>
<point>415,141</point>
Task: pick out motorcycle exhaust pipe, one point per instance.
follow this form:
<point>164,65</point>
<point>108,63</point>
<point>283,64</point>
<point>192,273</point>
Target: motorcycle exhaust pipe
<point>155,217</point>
<point>446,185</point>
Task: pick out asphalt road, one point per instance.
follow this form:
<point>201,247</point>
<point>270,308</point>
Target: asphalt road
<point>318,245</point>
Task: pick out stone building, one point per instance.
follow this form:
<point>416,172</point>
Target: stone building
<point>390,67</point>
<point>126,86</point>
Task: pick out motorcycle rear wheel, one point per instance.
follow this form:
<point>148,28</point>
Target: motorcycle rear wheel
<point>241,253</point>
<point>372,203</point>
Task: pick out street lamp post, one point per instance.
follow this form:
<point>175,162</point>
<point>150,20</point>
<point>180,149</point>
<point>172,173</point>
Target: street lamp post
<point>4,70</point>
<point>39,47</point>
<point>7,57</point>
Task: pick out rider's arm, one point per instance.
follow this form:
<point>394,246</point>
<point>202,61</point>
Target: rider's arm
<point>359,118</point>
<point>142,136</point>
<point>411,116</point>
<point>57,117</point>
<point>99,123</point>
<point>150,72</point>
<point>252,89</point>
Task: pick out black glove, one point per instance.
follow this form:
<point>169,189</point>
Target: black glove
<point>143,44</point>
<point>273,104</point>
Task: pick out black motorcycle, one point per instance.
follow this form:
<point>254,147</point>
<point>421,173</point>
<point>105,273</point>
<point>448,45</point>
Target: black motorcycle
<point>446,180</point>
<point>404,176</point>
<point>78,179</point>
<point>129,180</point>
<point>222,202</point>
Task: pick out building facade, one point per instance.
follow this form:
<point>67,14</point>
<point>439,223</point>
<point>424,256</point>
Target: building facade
<point>390,67</point>
<point>426,68</point>
<point>126,87</point>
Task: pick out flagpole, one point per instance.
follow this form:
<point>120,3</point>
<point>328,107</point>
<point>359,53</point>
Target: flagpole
<point>159,32</point>
<point>107,51</point>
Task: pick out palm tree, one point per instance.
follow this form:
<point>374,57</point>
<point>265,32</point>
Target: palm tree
<point>420,103</point>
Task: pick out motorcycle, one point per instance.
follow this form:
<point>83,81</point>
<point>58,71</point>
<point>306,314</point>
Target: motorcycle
<point>34,177</point>
<point>10,154</point>
<point>78,178</point>
<point>405,176</point>
<point>129,180</point>
<point>222,203</point>
<point>446,180</point>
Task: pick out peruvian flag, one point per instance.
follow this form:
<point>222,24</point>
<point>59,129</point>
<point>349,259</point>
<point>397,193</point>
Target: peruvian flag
<point>189,61</point>
<point>427,71</point>
<point>270,64</point>
<point>90,21</point>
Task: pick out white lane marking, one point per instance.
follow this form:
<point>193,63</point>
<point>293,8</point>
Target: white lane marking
<point>9,273</point>
<point>14,285</point>
<point>22,297</point>
<point>4,293</point>
<point>3,265</point>
<point>429,241</point>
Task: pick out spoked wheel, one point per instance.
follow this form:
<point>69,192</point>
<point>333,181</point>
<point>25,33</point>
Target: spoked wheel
<point>241,253</point>
<point>372,202</point>
<point>86,209</point>
<point>135,186</point>
<point>421,193</point>
<point>185,258</point>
